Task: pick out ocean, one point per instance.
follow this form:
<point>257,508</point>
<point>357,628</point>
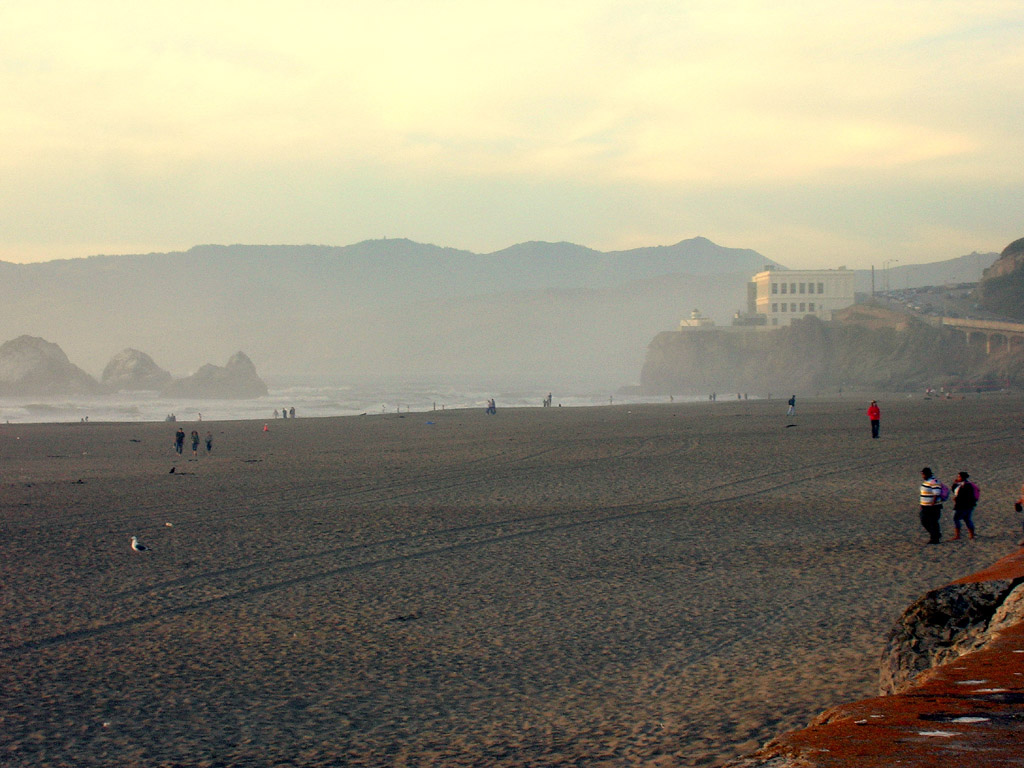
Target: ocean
<point>309,400</point>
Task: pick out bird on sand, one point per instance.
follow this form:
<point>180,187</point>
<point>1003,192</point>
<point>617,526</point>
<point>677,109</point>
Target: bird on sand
<point>138,546</point>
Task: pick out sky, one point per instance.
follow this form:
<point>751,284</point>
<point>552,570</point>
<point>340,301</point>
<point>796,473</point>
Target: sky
<point>841,133</point>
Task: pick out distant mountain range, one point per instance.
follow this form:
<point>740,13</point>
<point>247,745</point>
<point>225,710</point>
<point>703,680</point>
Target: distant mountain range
<point>543,313</point>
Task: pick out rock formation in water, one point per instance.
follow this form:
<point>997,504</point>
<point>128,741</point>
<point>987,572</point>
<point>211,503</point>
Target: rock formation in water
<point>132,370</point>
<point>235,380</point>
<point>31,366</point>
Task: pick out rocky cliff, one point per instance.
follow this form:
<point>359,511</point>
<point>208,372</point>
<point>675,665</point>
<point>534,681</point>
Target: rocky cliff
<point>31,366</point>
<point>131,370</point>
<point>863,346</point>
<point>1002,285</point>
<point>235,380</point>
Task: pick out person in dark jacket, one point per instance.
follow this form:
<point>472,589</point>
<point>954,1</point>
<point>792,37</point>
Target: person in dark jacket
<point>965,499</point>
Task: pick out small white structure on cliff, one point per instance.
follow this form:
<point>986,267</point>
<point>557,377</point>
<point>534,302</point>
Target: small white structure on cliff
<point>695,320</point>
<point>787,295</point>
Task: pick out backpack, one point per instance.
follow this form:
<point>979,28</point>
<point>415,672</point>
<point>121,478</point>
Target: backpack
<point>943,492</point>
<point>977,491</point>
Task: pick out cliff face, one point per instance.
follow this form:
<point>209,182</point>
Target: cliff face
<point>31,366</point>
<point>864,346</point>
<point>1001,289</point>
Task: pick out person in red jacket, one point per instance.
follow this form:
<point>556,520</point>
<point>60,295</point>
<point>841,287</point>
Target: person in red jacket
<point>875,414</point>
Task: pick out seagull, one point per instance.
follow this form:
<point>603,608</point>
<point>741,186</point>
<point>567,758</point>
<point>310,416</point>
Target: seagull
<point>138,546</point>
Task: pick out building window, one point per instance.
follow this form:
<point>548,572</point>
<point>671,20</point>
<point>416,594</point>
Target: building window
<point>784,286</point>
<point>810,287</point>
<point>775,307</point>
<point>803,307</point>
<point>792,307</point>
<point>810,307</point>
<point>821,287</point>
<point>784,305</point>
<point>775,287</point>
<point>775,321</point>
<point>792,287</point>
<point>803,287</point>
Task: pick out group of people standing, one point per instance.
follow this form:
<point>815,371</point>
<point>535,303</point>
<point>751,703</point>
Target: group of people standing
<point>934,494</point>
<point>179,441</point>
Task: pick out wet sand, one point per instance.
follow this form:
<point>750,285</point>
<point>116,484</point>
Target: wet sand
<point>619,586</point>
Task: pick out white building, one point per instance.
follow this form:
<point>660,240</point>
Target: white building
<point>696,320</point>
<point>787,295</point>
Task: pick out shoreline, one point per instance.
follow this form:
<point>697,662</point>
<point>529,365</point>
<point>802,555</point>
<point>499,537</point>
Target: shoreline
<point>401,409</point>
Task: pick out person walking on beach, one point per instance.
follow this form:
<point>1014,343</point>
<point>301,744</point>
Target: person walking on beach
<point>792,406</point>
<point>931,505</point>
<point>875,414</point>
<point>965,499</point>
<point>195,443</point>
<point>179,440</point>
<point>209,441</point>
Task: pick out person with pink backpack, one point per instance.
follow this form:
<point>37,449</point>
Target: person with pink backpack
<point>965,498</point>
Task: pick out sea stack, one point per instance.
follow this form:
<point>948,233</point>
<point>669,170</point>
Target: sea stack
<point>236,380</point>
<point>132,370</point>
<point>31,366</point>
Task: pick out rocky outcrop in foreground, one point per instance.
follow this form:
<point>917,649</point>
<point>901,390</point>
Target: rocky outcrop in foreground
<point>31,366</point>
<point>235,381</point>
<point>132,370</point>
<point>954,664</point>
<point>943,625</point>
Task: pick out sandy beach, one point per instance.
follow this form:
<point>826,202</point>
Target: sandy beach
<point>661,585</point>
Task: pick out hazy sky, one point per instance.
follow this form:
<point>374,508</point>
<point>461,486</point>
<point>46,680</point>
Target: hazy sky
<point>839,132</point>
